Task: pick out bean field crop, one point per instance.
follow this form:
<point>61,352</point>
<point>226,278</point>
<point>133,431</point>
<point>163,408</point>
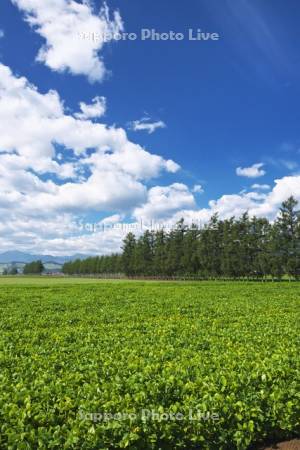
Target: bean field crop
<point>148,365</point>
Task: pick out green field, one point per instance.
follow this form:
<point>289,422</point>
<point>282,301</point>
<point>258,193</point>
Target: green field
<point>83,362</point>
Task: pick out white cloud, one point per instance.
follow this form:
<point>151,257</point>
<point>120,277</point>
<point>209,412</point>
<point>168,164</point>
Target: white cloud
<point>68,28</point>
<point>58,236</point>
<point>164,201</point>
<point>145,124</point>
<point>40,213</point>
<point>256,204</point>
<point>132,160</point>
<point>110,177</point>
<point>1,33</point>
<point>44,194</point>
<point>198,189</point>
<point>93,111</point>
<point>254,171</point>
<point>64,235</point>
<point>111,220</point>
<point>263,187</point>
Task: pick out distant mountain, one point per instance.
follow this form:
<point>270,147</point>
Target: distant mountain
<point>21,257</point>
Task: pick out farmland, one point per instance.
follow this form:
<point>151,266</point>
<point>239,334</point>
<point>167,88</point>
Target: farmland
<point>88,364</point>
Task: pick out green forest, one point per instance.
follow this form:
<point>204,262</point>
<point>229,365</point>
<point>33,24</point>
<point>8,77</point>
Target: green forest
<point>235,248</point>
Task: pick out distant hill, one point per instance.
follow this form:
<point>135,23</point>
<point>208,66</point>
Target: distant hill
<point>11,257</point>
<point>50,267</point>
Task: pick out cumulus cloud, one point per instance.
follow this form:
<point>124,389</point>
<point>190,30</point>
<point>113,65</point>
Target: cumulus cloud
<point>133,160</point>
<point>43,125</point>
<point>65,235</point>
<point>263,187</point>
<point>1,33</point>
<point>49,182</point>
<point>198,189</point>
<point>145,124</point>
<point>74,35</point>
<point>58,168</point>
<point>92,111</point>
<point>61,235</point>
<point>255,203</point>
<point>254,171</point>
<point>163,201</point>
<point>111,220</point>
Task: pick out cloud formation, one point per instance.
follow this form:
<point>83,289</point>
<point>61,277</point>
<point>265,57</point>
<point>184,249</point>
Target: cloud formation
<point>164,201</point>
<point>74,35</point>
<point>254,171</point>
<point>255,203</point>
<point>60,167</point>
<point>94,110</point>
<point>263,187</point>
<point>198,189</point>
<point>68,164</point>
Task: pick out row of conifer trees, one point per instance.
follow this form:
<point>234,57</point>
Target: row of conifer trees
<point>232,248</point>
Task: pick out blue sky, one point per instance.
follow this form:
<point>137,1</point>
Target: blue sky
<point>218,106</point>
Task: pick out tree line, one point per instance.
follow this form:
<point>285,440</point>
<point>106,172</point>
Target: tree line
<point>232,248</point>
<point>11,270</point>
<point>34,268</point>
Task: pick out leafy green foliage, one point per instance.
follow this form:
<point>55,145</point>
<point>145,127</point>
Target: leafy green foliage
<point>69,348</point>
